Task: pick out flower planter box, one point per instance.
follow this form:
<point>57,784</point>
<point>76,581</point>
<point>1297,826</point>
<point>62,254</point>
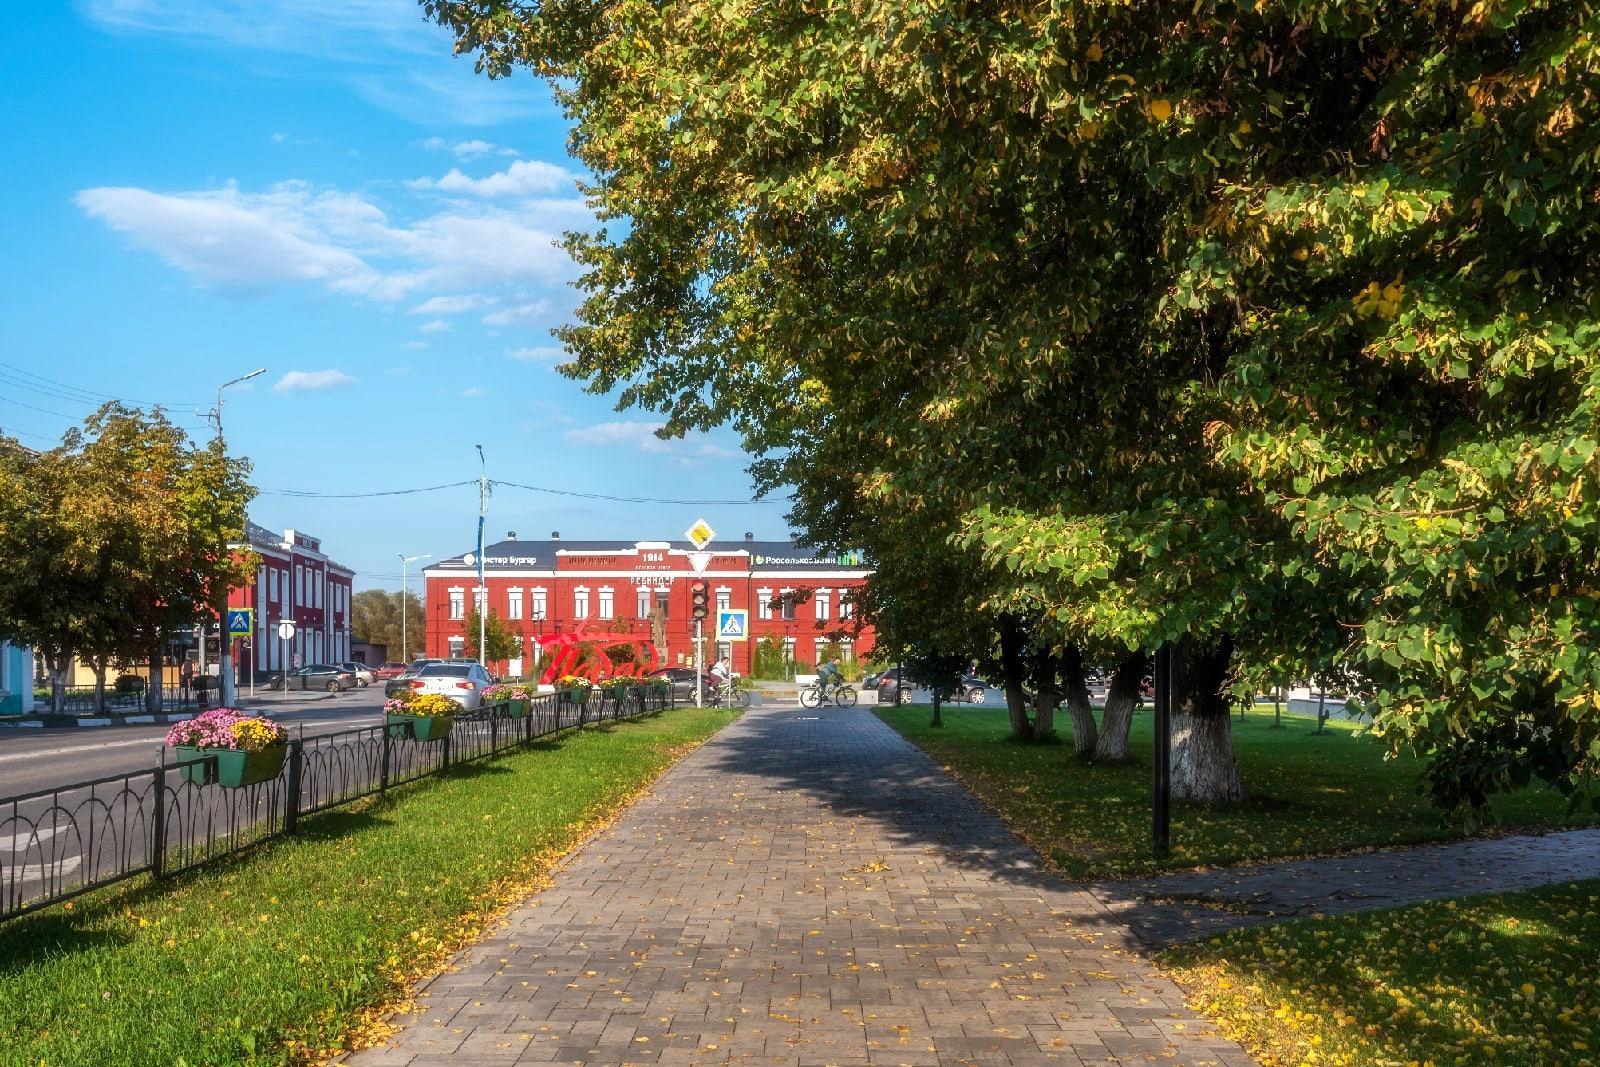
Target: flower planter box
<point>231,768</point>
<point>573,696</point>
<point>517,708</point>
<point>422,727</point>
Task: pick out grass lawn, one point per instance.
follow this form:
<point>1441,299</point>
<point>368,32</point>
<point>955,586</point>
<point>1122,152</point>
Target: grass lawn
<point>1508,979</point>
<point>285,952</point>
<point>1309,794</point>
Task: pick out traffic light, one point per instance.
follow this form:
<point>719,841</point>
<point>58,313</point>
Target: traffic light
<point>698,607</point>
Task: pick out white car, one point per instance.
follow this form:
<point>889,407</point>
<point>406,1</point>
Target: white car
<point>463,681</point>
<point>363,673</point>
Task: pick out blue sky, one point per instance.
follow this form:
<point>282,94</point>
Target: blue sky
<point>203,187</point>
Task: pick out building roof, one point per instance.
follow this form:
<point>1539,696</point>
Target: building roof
<point>542,555</point>
<point>258,536</point>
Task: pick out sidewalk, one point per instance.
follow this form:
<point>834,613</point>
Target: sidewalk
<point>806,888</point>
<point>1182,907</point>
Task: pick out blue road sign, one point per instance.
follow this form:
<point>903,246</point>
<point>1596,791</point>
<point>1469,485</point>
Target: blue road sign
<point>240,623</point>
<point>733,625</point>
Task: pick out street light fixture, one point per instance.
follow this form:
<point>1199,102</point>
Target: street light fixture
<point>405,602</point>
<point>225,663</point>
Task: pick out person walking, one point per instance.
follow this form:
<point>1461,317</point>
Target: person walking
<point>185,679</point>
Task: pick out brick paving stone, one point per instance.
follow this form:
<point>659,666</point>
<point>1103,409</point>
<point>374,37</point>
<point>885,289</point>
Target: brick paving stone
<point>806,888</point>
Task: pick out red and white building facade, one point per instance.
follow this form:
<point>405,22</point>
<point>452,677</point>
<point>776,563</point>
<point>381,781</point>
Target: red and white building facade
<point>609,591</point>
<point>294,580</point>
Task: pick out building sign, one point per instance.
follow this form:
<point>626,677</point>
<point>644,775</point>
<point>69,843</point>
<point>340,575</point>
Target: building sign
<point>853,558</point>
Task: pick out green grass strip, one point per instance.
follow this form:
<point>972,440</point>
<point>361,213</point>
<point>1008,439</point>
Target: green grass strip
<point>275,956</point>
<point>1310,794</point>
<point>1506,979</point>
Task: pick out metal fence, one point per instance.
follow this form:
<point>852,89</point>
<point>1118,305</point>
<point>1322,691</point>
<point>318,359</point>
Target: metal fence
<point>80,700</point>
<point>58,843</point>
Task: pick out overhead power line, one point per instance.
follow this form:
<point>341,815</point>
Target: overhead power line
<point>27,379</point>
<point>306,493</point>
<point>579,494</point>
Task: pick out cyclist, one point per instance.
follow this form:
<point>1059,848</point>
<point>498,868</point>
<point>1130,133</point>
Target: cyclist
<point>829,678</point>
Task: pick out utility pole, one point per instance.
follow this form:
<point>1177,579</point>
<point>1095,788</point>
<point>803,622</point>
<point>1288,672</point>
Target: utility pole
<point>483,590</point>
<point>224,641</point>
<point>405,601</point>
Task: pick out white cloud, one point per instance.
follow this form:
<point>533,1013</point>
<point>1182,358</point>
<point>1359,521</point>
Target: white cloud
<point>229,239</point>
<point>473,149</point>
<point>525,177</point>
<point>382,49</point>
<point>642,436</point>
<point>476,390</point>
<point>436,326</point>
<point>452,305</point>
<point>304,380</point>
<point>537,354</point>
<point>518,313</point>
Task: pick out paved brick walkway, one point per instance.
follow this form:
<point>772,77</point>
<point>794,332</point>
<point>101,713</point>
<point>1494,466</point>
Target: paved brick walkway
<point>1179,907</point>
<point>807,888</point>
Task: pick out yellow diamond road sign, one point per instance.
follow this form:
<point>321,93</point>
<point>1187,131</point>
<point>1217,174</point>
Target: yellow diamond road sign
<point>700,534</point>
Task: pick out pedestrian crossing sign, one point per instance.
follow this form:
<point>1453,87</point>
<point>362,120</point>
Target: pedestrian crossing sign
<point>240,623</point>
<point>733,624</point>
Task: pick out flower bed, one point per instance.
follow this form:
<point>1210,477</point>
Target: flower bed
<point>571,689</point>
<point>420,716</point>
<point>513,695</point>
<point>229,747</point>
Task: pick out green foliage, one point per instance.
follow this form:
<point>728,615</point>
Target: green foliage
<point>358,904</point>
<point>770,662</point>
<point>1271,327</point>
<point>502,640</point>
<point>375,617</point>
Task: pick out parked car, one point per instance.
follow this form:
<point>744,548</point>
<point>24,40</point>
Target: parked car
<point>329,676</point>
<point>463,681</point>
<point>363,673</point>
<point>403,679</point>
<point>892,691</point>
<point>682,679</point>
<point>393,669</point>
<point>870,680</point>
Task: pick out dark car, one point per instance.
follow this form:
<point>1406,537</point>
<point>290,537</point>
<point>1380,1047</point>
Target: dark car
<point>329,676</point>
<point>392,669</point>
<point>891,691</point>
<point>402,680</point>
<point>682,679</point>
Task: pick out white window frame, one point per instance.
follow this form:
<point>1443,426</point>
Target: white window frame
<point>606,603</point>
<point>539,603</point>
<point>724,598</point>
<point>513,603</point>
<point>763,603</point>
<point>643,601</point>
<point>822,600</point>
<point>580,602</point>
<point>458,604</point>
<point>786,609</point>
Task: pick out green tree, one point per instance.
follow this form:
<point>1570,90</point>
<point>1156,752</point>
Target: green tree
<point>375,618</point>
<point>1265,331</point>
<point>503,642</point>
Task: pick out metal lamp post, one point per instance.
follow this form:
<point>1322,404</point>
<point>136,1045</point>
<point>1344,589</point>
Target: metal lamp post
<point>225,660</point>
<point>482,593</point>
<point>405,602</point>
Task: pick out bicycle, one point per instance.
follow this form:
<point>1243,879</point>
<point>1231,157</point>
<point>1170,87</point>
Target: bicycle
<point>843,696</point>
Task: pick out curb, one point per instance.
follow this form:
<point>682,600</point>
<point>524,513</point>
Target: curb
<point>35,722</point>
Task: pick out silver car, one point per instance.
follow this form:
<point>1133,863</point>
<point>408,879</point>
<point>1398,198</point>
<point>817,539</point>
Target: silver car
<point>463,681</point>
<point>363,673</point>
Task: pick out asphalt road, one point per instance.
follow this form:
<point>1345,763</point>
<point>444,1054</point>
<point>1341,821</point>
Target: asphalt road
<point>31,760</point>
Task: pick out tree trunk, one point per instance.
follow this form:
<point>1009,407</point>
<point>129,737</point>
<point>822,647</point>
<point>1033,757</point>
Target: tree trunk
<point>938,720</point>
<point>1122,697</point>
<point>1012,670</point>
<point>1203,765</point>
<point>99,666</point>
<point>1075,691</point>
<point>152,692</point>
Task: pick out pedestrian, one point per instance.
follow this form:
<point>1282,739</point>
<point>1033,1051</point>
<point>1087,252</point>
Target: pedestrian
<point>186,678</point>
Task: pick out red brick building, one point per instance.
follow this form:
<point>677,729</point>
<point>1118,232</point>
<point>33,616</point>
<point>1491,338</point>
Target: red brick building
<point>609,591</point>
<point>294,580</point>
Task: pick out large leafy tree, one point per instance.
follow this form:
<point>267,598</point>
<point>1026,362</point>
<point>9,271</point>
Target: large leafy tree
<point>502,642</point>
<point>375,617</point>
<point>1264,329</point>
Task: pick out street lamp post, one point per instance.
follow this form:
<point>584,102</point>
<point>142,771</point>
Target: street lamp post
<point>225,660</point>
<point>405,602</point>
<point>483,591</point>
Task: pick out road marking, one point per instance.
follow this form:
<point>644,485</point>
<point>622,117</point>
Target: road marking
<point>65,865</point>
<point>90,743</point>
<point>44,833</point>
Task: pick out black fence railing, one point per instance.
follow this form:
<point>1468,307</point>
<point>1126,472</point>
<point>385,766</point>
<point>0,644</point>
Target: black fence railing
<point>80,700</point>
<point>58,843</point>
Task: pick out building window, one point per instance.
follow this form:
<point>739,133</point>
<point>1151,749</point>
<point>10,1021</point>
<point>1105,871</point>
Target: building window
<point>725,651</point>
<point>824,602</point>
<point>458,603</point>
<point>514,604</point>
<point>724,599</point>
<point>644,602</point>
<point>847,604</point>
<point>848,647</point>
<point>580,604</point>
<point>663,599</point>
<point>788,649</point>
<point>608,608</point>
<point>479,596</point>
<point>299,584</point>
<point>458,647</point>
<point>540,609</point>
<point>763,603</point>
<point>786,604</point>
<point>316,576</point>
